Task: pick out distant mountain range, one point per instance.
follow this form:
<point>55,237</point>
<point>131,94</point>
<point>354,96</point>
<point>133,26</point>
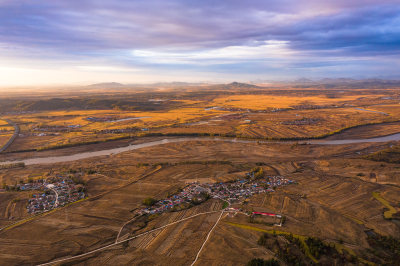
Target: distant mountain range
<point>107,85</point>
<point>345,81</point>
<point>301,82</point>
<point>241,85</point>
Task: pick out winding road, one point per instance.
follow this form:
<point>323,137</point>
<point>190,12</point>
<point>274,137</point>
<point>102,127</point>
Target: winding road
<point>55,192</point>
<point>13,137</point>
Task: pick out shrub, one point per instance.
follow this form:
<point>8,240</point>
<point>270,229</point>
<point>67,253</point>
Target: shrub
<point>262,240</point>
<point>91,171</point>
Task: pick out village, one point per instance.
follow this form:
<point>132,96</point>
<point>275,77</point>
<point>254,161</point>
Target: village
<point>54,192</point>
<point>230,192</point>
<point>65,128</point>
<point>302,122</point>
<point>111,119</point>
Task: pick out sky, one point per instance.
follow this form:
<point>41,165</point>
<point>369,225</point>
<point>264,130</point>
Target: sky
<point>89,41</point>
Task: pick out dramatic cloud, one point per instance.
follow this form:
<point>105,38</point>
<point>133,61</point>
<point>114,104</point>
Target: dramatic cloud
<point>160,40</point>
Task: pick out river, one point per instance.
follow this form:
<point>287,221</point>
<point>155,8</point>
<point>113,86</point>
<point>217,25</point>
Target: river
<point>90,154</point>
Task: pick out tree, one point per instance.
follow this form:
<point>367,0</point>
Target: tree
<point>149,201</point>
<point>261,262</point>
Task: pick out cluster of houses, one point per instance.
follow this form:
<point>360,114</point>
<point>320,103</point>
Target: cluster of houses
<point>54,192</point>
<point>18,112</point>
<point>311,106</point>
<point>101,119</point>
<point>275,110</point>
<point>111,119</point>
<point>301,122</point>
<point>232,192</point>
<point>230,109</point>
<point>43,134</point>
<point>57,128</point>
<point>119,130</point>
<point>277,181</point>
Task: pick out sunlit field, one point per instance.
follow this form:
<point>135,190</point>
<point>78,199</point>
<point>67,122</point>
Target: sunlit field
<point>265,114</point>
<point>262,102</point>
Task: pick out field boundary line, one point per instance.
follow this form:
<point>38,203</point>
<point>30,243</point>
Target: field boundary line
<point>126,240</point>
<point>31,218</point>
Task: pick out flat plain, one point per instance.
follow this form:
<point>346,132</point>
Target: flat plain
<point>345,195</point>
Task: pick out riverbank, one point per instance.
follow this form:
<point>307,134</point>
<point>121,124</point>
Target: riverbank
<point>130,147</point>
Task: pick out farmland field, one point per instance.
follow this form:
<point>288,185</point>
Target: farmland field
<point>264,114</point>
<point>345,196</point>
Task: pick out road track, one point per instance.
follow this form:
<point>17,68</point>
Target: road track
<point>208,236</point>
<point>127,240</point>
<point>13,137</point>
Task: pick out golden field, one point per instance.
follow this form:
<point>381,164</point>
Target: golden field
<point>261,102</point>
<point>265,115</point>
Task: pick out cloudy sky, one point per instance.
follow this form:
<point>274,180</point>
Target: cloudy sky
<point>86,41</point>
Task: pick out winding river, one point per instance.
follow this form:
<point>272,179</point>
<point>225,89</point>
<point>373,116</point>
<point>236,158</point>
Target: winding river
<point>90,154</point>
